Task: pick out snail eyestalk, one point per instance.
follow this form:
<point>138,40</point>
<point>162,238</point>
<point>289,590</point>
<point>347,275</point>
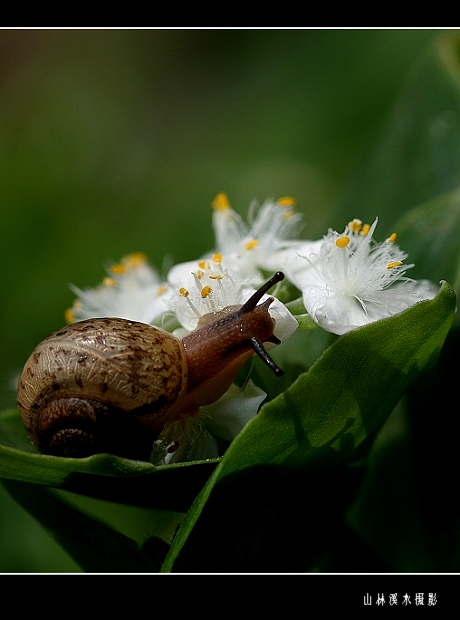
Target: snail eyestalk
<point>249,306</point>
<point>254,300</point>
<point>262,353</point>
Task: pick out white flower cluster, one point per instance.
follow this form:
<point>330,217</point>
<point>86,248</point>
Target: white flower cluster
<point>346,280</point>
<point>350,280</point>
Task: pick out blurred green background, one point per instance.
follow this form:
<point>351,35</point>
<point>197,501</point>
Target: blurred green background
<point>114,141</point>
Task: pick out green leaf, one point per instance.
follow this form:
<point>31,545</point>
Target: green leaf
<point>305,321</point>
<point>269,481</point>
<point>93,545</point>
<point>418,156</point>
<point>169,487</point>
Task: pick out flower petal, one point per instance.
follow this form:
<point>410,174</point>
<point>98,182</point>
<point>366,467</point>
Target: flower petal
<point>190,281</point>
<point>261,243</point>
<point>340,314</point>
<point>233,410</point>
<point>133,290</point>
<point>197,438</point>
<point>298,260</point>
<point>285,323</point>
<point>350,280</point>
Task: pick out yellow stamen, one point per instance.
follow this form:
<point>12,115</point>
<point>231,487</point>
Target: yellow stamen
<point>288,214</point>
<point>250,245</point>
<point>118,269</point>
<point>365,230</point>
<point>342,242</point>
<point>391,238</point>
<point>199,275</point>
<point>109,281</point>
<point>134,260</point>
<point>183,292</point>
<point>69,316</point>
<point>216,276</point>
<point>395,263</point>
<point>162,289</point>
<point>221,202</point>
<point>217,258</point>
<point>355,225</point>
<point>286,201</point>
<point>70,312</point>
<point>206,291</point>
<point>203,264</point>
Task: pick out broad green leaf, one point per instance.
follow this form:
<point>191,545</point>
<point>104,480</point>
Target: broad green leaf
<point>418,156</point>
<point>170,487</point>
<point>93,545</point>
<point>271,476</point>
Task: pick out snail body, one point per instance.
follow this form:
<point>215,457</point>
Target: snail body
<point>112,385</point>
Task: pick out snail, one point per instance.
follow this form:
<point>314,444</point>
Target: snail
<point>112,385</point>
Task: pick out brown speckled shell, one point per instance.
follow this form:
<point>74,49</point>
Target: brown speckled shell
<point>126,365</point>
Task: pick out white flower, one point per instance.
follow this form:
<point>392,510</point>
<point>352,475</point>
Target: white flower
<point>206,286</point>
<point>201,437</point>
<point>352,280</point>
<point>271,229</point>
<point>132,290</point>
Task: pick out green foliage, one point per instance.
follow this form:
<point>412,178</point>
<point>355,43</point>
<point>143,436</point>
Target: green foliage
<point>349,465</point>
<point>312,427</point>
<point>94,546</point>
<point>418,157</point>
<point>309,429</point>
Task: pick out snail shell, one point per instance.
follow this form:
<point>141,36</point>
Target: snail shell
<point>101,385</point>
